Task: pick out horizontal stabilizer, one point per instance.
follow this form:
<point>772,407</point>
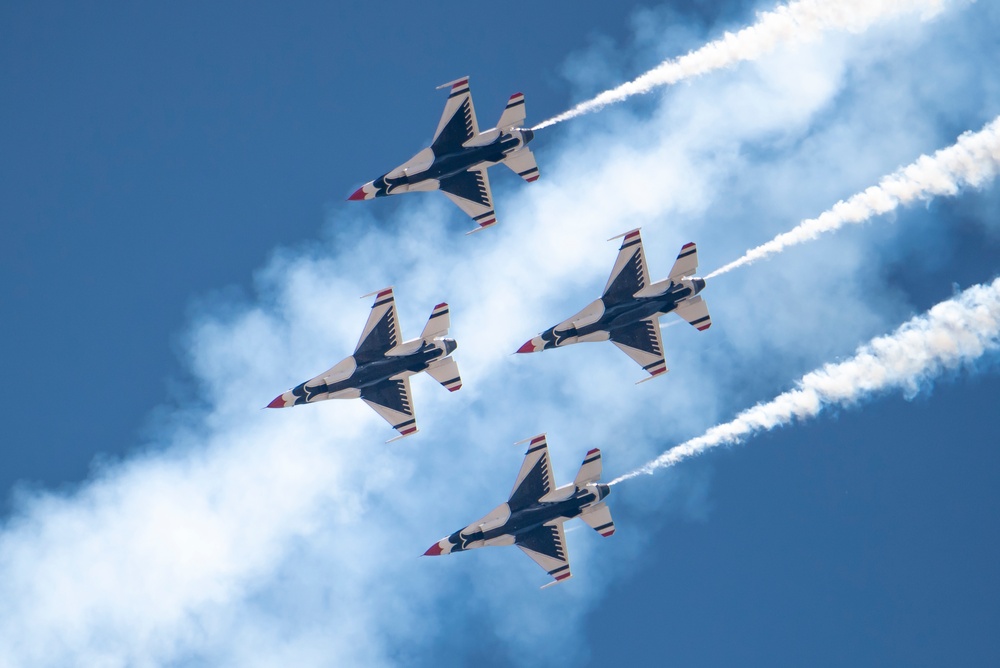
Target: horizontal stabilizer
<point>438,324</point>
<point>590,470</point>
<point>599,519</point>
<point>513,115</point>
<point>445,371</point>
<point>686,263</point>
<point>522,162</point>
<point>695,311</point>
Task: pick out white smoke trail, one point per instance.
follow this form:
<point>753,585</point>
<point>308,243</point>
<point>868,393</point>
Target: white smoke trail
<point>971,161</point>
<point>954,332</point>
<point>800,21</point>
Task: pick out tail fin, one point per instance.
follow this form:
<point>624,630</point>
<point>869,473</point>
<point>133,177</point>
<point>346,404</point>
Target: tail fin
<point>599,519</point>
<point>513,115</point>
<point>686,263</point>
<point>590,470</point>
<point>445,371</point>
<point>438,324</point>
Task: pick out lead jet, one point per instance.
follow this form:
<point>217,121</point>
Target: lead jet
<point>532,518</point>
<point>456,161</point>
<point>628,311</point>
<point>379,370</point>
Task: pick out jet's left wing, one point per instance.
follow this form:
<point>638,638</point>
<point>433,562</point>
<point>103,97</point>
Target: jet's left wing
<point>641,341</point>
<point>458,122</point>
<point>629,274</point>
<point>547,546</point>
<point>392,400</point>
<point>534,480</point>
<point>381,331</point>
<point>470,190</point>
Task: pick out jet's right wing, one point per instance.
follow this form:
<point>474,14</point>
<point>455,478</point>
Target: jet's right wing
<point>642,342</point>
<point>458,122</point>
<point>629,274</point>
<point>380,333</point>
<point>392,400</point>
<point>470,190</point>
<point>534,480</point>
<point>546,545</point>
<point>522,162</point>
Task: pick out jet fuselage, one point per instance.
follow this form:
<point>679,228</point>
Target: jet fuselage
<point>625,313</point>
<point>378,370</point>
<point>526,519</point>
<point>450,164</point>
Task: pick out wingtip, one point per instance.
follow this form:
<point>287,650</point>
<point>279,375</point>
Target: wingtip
<point>528,347</point>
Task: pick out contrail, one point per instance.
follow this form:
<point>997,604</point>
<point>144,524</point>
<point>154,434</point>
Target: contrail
<point>954,332</point>
<point>971,161</point>
<point>800,21</point>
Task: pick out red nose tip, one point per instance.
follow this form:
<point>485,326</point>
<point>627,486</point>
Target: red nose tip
<point>358,194</point>
<point>433,551</point>
<point>528,347</point>
<point>278,402</point>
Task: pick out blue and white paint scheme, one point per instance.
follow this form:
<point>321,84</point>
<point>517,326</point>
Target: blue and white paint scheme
<point>628,311</point>
<point>532,518</point>
<point>456,161</point>
<point>379,370</point>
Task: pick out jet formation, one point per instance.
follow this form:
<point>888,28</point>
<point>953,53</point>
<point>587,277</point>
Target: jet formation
<point>379,370</point>
<point>532,517</point>
<point>628,311</point>
<point>456,161</point>
<point>627,314</point>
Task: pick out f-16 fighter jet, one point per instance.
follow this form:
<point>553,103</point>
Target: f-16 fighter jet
<point>456,161</point>
<point>533,516</point>
<point>628,311</point>
<point>379,370</point>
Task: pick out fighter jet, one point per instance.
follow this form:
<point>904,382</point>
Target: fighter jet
<point>379,370</point>
<point>628,311</point>
<point>533,516</point>
<point>457,159</point>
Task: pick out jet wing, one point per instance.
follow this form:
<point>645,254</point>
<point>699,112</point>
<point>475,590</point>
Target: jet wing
<point>392,400</point>
<point>641,341</point>
<point>522,162</point>
<point>686,263</point>
<point>458,122</point>
<point>380,333</point>
<point>695,311</point>
<point>534,480</point>
<point>547,546</point>
<point>470,190</point>
<point>629,274</point>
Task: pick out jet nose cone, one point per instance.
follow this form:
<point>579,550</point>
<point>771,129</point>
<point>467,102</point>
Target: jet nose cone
<point>359,194</point>
<point>528,347</point>
<point>434,550</point>
<point>279,402</point>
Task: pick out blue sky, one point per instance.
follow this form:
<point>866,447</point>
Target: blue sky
<point>178,251</point>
